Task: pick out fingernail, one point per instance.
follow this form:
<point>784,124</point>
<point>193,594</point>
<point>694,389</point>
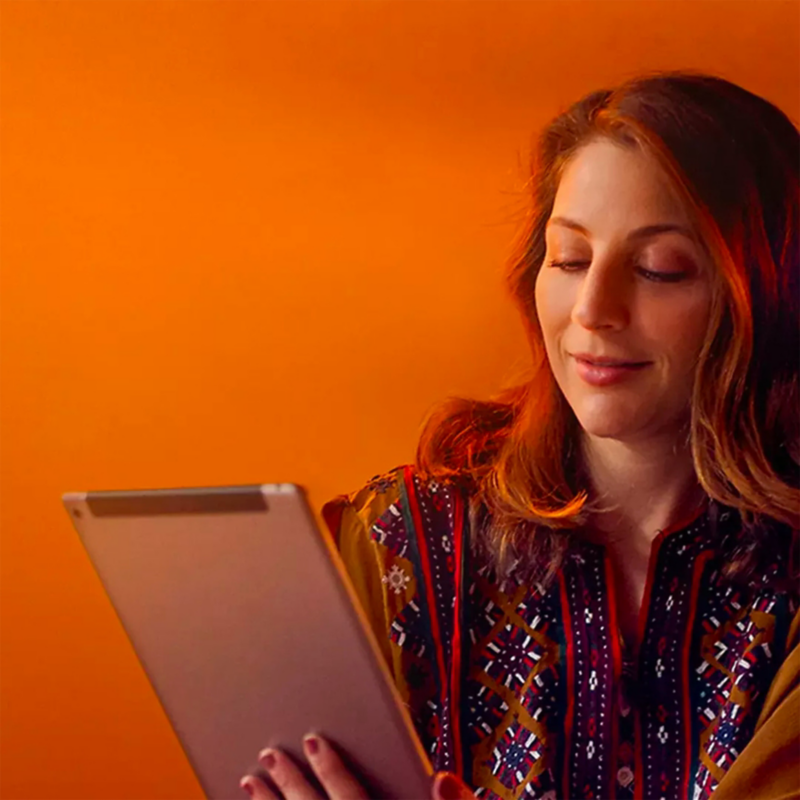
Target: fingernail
<point>448,787</point>
<point>312,744</point>
<point>267,759</point>
<point>247,786</point>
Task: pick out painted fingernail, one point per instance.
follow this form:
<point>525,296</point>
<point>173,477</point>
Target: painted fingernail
<point>448,787</point>
<point>267,759</point>
<point>247,786</point>
<point>312,744</point>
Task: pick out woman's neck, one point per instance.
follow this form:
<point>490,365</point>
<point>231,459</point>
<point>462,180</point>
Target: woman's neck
<point>641,488</point>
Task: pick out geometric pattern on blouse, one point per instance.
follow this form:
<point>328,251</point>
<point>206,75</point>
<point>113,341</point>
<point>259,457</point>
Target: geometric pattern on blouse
<point>739,654</point>
<point>589,730</point>
<point>390,531</point>
<point>511,703</point>
<point>547,705</point>
<point>408,630</point>
<point>662,666</point>
<point>435,505</point>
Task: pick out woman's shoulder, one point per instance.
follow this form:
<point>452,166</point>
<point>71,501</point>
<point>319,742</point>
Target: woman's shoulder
<point>402,500</point>
<point>367,504</point>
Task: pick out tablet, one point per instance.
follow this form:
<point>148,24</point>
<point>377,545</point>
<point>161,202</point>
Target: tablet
<point>244,620</point>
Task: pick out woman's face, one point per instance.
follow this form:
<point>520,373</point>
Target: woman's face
<point>623,296</point>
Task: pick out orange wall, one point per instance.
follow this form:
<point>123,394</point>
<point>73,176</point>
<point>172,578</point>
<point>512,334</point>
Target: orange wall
<point>256,241</point>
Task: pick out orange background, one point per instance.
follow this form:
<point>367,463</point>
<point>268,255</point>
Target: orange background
<point>256,241</point>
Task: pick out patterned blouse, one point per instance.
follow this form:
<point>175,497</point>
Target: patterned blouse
<point>527,692</point>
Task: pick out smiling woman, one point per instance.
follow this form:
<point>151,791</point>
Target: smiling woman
<point>599,594</point>
<point>624,296</point>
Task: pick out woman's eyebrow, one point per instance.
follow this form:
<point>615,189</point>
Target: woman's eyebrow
<point>639,233</point>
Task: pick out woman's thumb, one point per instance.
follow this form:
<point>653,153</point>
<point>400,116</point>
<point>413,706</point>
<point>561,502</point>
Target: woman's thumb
<point>448,786</point>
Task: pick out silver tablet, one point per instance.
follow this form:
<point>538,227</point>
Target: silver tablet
<point>246,623</point>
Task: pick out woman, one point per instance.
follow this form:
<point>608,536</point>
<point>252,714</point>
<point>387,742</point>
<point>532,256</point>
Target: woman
<point>586,588</point>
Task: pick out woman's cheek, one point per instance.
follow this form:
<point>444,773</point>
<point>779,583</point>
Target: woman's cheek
<point>682,329</point>
<point>558,301</point>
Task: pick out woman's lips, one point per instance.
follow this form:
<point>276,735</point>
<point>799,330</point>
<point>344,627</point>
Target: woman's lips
<point>606,374</point>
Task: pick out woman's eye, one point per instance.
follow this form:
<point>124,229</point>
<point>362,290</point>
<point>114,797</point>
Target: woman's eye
<point>569,264</point>
<point>648,274</point>
<point>662,277</point>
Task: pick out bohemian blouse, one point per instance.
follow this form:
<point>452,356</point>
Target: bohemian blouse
<point>527,693</point>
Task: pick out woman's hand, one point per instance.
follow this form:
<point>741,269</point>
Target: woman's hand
<point>337,781</point>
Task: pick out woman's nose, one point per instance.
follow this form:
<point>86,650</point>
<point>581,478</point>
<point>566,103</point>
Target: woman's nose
<point>602,301</point>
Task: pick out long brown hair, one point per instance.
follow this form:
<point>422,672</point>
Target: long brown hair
<point>734,158</point>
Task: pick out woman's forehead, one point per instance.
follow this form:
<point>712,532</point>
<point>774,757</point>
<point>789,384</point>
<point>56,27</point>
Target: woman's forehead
<point>608,185</point>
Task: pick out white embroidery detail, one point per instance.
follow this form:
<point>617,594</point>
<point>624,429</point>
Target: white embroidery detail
<point>396,580</point>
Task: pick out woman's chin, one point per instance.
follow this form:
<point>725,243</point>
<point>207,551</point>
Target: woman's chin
<point>608,426</point>
<point>607,432</point>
